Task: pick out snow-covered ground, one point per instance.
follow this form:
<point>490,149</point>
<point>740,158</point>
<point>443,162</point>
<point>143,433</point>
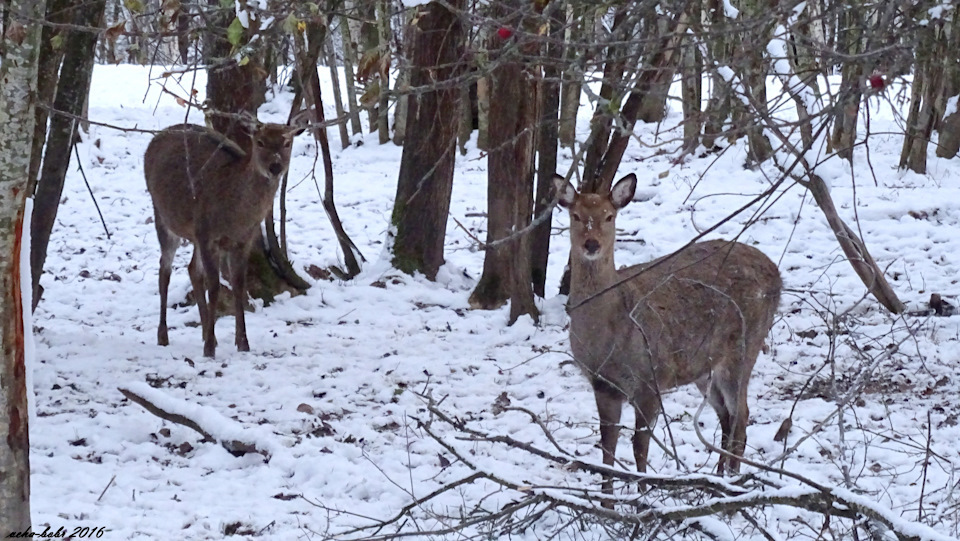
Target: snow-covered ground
<point>335,379</point>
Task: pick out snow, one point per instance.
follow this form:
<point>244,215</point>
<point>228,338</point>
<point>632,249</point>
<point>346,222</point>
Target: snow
<point>338,380</point>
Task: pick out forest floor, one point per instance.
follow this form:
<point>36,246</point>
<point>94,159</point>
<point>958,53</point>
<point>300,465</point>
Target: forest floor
<point>339,379</point>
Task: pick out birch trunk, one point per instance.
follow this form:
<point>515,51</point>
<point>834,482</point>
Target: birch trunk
<point>18,87</point>
<point>349,61</point>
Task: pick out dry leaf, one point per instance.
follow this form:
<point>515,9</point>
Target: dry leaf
<point>785,427</point>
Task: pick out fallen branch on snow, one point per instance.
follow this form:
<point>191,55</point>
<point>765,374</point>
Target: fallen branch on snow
<point>208,422</point>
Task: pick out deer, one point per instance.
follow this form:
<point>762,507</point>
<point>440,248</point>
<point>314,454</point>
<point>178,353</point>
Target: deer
<point>700,315</point>
<point>213,192</point>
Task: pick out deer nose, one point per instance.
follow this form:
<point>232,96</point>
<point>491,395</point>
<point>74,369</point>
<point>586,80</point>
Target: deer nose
<point>592,246</point>
<point>275,169</point>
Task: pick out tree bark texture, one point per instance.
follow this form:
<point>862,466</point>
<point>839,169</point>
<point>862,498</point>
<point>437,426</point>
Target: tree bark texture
<point>337,99</point>
<point>349,61</point>
<point>507,264</point>
<point>426,168</point>
<point>845,123</point>
<point>47,69</point>
<point>548,94</point>
<point>926,107</point>
<point>231,88</point>
<point>72,90</point>
<point>20,44</point>
<point>383,107</point>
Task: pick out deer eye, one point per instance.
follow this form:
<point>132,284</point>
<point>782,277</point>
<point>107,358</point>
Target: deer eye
<point>576,217</point>
<point>286,144</point>
<point>260,144</point>
<point>609,218</point>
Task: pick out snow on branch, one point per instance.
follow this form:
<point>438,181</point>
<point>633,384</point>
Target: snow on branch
<point>210,423</point>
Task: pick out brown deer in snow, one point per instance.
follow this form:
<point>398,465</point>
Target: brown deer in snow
<point>211,191</point>
<point>698,316</point>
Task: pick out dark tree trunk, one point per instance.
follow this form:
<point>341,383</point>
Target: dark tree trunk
<point>233,89</point>
<point>572,80</point>
<point>927,96</point>
<point>369,61</point>
<point>47,74</point>
<point>547,143</point>
<point>653,106</point>
<point>720,105</point>
<point>845,122</point>
<point>349,62</point>
<point>949,141</point>
<point>331,55</point>
<point>612,87</point>
<point>426,168</point>
<point>310,80</point>
<point>507,265</point>
<point>72,90</point>
<point>691,87</point>
<point>383,102</point>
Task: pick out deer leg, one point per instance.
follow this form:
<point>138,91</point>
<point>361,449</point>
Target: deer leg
<point>199,289</point>
<point>168,249</point>
<point>609,407</point>
<point>238,283</point>
<point>211,277</point>
<point>728,396</point>
<point>646,410</point>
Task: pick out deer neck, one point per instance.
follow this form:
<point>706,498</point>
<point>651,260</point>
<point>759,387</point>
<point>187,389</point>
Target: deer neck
<point>589,278</point>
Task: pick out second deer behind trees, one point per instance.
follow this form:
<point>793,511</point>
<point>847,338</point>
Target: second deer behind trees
<point>698,316</point>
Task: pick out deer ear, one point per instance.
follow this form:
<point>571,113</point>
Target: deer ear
<point>623,190</point>
<point>565,191</point>
<point>300,121</point>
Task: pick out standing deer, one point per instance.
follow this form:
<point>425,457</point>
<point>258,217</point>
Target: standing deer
<point>698,316</point>
<point>209,190</point>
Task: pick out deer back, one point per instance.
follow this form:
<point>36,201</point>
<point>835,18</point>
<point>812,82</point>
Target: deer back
<point>668,322</point>
<point>198,178</point>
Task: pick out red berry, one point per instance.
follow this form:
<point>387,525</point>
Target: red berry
<point>504,33</point>
<point>876,81</point>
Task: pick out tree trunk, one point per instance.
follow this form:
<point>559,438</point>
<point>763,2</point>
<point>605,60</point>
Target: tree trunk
<point>464,119</point>
<point>507,264</point>
<point>927,97</point>
<point>383,103</point>
<point>753,74</point>
<point>611,91</point>
<point>349,61</point>
<point>548,95</point>
<point>653,107</point>
<point>48,68</point>
<point>691,87</point>
<point>337,101</point>
<point>20,43</point>
<point>72,90</point>
<point>949,130</point>
<point>572,79</point>
<point>426,168</point>
<point>233,89</point>
<point>310,81</point>
<point>483,113</point>
<point>720,105</point>
<point>845,122</point>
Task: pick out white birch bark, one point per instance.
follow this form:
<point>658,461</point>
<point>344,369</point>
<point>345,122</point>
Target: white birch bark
<point>18,88</point>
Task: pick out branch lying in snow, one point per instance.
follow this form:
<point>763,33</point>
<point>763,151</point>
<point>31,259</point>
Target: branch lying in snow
<point>669,505</point>
<point>211,424</point>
